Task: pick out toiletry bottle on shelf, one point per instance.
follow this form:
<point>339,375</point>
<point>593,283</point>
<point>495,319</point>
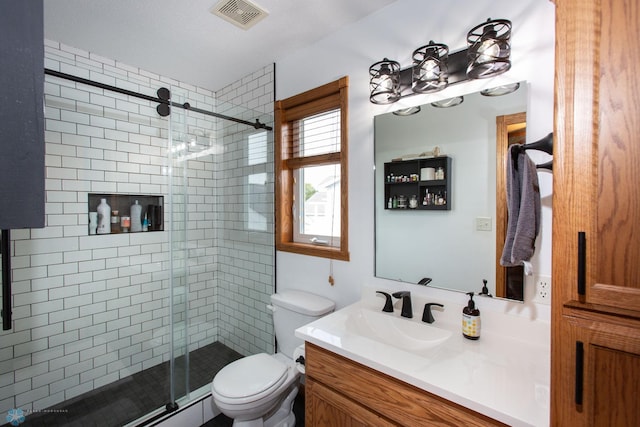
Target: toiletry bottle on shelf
<point>115,221</point>
<point>145,223</point>
<point>93,222</point>
<point>104,217</point>
<point>471,320</point>
<point>390,203</point>
<point>136,217</point>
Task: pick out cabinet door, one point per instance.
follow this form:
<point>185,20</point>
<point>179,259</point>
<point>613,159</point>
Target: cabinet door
<point>325,407</point>
<point>597,175</point>
<point>600,373</point>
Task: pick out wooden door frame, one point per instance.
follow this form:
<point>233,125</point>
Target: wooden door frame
<point>502,150</point>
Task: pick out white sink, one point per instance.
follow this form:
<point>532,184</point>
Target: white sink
<point>395,331</point>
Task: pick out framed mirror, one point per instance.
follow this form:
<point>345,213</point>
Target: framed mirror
<point>453,248</point>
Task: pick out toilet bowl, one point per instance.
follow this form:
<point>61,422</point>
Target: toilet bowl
<point>259,390</point>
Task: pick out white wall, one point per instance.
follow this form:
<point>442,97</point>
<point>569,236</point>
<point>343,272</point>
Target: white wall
<point>394,32</point>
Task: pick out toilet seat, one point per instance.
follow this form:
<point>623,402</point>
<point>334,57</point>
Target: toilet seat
<point>249,379</point>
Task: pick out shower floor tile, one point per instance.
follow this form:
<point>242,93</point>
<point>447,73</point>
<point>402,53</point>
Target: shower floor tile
<point>130,398</point>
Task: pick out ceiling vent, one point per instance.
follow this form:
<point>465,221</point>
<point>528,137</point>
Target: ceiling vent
<point>240,13</point>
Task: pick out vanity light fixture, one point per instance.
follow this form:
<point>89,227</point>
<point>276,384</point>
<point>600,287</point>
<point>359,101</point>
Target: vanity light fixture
<point>430,68</point>
<point>500,90</point>
<point>384,82</point>
<point>450,102</point>
<point>407,111</point>
<point>434,68</point>
<point>489,49</point>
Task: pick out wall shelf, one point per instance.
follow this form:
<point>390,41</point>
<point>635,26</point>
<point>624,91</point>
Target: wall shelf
<point>152,206</point>
<point>403,182</point>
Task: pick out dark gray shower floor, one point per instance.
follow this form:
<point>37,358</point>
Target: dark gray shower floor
<point>130,398</point>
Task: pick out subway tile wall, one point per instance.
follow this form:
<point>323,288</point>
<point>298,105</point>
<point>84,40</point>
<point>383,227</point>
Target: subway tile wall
<point>89,310</point>
<point>245,202</point>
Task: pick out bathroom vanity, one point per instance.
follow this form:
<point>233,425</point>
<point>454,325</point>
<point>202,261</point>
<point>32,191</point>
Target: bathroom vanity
<point>342,392</point>
<point>364,371</point>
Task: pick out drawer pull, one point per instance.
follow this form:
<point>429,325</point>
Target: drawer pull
<point>582,262</point>
<point>579,372</point>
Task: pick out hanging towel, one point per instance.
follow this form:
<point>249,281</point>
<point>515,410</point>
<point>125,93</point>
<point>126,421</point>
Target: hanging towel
<point>523,206</point>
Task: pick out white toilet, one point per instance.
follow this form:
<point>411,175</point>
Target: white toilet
<point>259,390</point>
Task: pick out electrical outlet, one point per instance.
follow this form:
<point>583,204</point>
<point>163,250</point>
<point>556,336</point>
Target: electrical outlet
<point>543,290</point>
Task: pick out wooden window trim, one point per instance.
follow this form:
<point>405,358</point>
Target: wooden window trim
<point>324,98</point>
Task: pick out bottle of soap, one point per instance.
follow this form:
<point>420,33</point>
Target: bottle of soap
<point>104,217</point>
<point>136,217</point>
<point>471,320</point>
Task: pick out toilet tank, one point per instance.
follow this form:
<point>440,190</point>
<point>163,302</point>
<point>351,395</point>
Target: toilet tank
<point>293,309</point>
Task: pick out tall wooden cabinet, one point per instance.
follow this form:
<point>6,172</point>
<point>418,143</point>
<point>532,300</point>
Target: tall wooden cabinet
<point>595,370</point>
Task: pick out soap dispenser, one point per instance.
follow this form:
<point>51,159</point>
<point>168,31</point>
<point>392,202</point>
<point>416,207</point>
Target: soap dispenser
<point>471,320</point>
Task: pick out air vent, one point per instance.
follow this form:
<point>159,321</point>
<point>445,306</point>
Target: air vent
<point>241,13</point>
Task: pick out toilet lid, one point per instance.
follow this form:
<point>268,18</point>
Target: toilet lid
<point>251,376</point>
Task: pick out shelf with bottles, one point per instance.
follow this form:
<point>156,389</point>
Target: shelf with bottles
<point>418,184</point>
<point>125,213</point>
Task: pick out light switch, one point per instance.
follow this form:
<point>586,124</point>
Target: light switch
<point>483,223</point>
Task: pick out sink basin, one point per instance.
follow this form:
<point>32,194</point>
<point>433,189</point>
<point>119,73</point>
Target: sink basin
<point>396,331</point>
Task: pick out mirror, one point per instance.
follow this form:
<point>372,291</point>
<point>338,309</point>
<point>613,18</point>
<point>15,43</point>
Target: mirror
<point>455,248</point>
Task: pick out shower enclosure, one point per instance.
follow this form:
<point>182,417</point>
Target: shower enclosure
<point>115,327</point>
<point>221,233</point>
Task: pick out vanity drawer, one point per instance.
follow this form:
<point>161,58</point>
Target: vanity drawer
<point>395,400</point>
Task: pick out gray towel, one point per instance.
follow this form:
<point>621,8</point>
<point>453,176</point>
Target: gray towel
<point>523,205</point>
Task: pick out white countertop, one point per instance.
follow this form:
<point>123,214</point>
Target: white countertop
<point>501,376</point>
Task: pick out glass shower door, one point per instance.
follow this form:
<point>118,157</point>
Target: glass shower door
<point>178,251</point>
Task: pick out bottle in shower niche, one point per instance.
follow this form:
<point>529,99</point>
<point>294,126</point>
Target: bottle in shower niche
<point>136,217</point>
<point>104,217</point>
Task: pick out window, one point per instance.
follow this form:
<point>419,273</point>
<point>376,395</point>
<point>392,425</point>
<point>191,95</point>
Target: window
<point>311,172</point>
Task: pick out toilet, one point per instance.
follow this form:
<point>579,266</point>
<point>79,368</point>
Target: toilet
<point>259,390</point>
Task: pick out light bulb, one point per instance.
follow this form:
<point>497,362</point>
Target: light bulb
<point>430,70</point>
<point>488,51</point>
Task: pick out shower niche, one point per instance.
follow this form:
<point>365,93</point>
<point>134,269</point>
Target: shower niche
<point>128,213</point>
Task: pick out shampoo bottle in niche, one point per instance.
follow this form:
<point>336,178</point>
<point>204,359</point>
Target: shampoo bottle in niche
<point>471,320</point>
<point>136,217</point>
<point>104,217</point>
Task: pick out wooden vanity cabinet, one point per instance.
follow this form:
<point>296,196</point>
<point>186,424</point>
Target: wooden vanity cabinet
<point>595,359</point>
<point>341,392</point>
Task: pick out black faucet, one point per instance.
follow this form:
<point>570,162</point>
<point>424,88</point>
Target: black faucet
<point>407,311</point>
<point>388,304</point>
<point>426,314</point>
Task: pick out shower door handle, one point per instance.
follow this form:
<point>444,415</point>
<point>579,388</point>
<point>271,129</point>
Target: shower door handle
<point>5,248</point>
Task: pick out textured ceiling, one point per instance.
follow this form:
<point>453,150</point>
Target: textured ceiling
<point>184,41</point>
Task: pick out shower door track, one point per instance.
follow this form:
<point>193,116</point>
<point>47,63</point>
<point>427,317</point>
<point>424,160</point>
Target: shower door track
<point>163,99</point>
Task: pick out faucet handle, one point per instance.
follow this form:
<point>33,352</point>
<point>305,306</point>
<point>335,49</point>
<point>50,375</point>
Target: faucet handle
<point>426,314</point>
<point>388,305</point>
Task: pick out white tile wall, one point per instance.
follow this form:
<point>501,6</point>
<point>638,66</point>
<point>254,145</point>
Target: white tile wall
<point>89,310</point>
<point>246,256</point>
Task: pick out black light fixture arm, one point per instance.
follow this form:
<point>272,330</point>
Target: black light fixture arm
<point>163,99</point>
